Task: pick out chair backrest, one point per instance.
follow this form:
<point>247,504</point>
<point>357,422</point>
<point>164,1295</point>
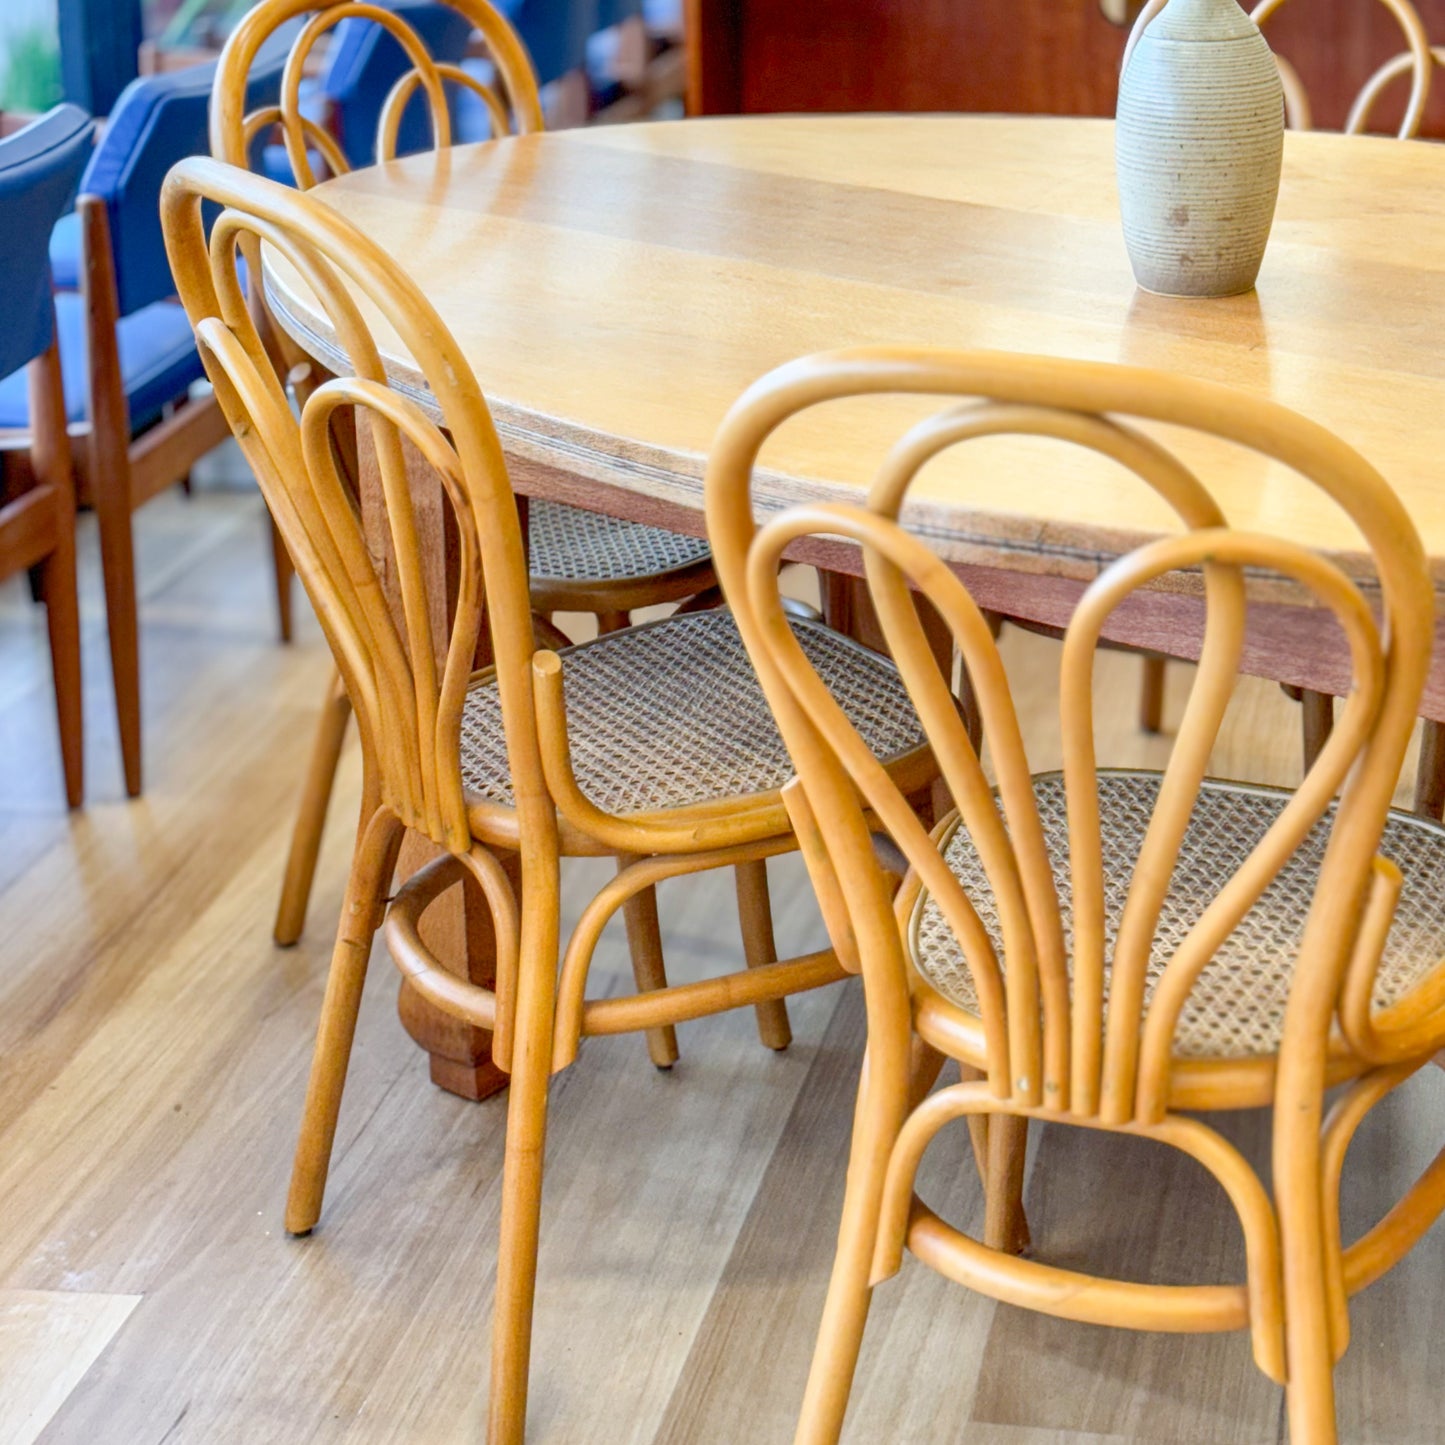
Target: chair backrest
<point>365,60</point>
<point>1075,1025</point>
<point>1405,63</point>
<point>1296,99</point>
<point>405,655</point>
<point>234,126</point>
<point>158,120</point>
<point>39,168</point>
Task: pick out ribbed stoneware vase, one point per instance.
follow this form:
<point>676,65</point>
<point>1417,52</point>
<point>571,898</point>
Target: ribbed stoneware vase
<point>1199,141</point>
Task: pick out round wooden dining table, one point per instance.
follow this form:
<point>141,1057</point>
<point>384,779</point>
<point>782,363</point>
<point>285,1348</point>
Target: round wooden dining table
<point>615,289</point>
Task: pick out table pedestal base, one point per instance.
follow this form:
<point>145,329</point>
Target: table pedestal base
<point>457,929</point>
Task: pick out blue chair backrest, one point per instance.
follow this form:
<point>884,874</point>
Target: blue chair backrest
<point>614,12</point>
<point>158,120</point>
<point>39,167</point>
<point>365,61</point>
<point>556,32</point>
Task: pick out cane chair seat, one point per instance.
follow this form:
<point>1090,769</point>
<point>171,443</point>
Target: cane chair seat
<point>569,544</point>
<point>1236,1010</point>
<point>670,714</point>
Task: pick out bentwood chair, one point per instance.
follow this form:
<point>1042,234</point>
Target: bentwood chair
<point>1110,950</point>
<point>39,167</point>
<point>653,743</point>
<point>126,350</point>
<point>579,561</point>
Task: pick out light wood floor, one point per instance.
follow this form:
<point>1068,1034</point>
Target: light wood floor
<point>153,1046</point>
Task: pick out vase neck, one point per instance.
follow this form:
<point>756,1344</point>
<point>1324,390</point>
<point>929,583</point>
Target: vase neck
<point>1202,20</point>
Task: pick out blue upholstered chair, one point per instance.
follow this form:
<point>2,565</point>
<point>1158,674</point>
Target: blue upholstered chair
<point>127,352</point>
<point>39,167</point>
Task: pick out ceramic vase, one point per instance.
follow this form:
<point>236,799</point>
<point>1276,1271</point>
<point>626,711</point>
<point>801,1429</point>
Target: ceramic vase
<point>1199,141</point>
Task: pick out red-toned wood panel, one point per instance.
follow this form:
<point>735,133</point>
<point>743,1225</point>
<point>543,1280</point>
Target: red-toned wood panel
<point>1048,56</point>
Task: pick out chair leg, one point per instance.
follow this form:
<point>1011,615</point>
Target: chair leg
<point>62,620</point>
<point>521,1206</point>
<point>1310,1391</point>
<point>1430,777</point>
<point>311,815</point>
<point>285,570</point>
<point>759,948</point>
<point>1151,694</point>
<point>644,941</point>
<point>612,622</point>
<point>1317,720</point>
<point>845,1314</point>
<point>1005,1226</point>
<point>371,871</point>
<point>117,556</point>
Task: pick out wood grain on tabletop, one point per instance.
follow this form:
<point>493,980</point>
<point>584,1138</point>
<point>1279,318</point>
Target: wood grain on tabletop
<point>740,244</point>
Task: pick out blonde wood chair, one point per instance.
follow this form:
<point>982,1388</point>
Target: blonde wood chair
<point>579,561</point>
<point>653,743</point>
<point>1110,950</point>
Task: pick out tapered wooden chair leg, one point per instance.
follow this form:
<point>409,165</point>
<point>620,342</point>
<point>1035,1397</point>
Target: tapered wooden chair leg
<point>1310,1391</point>
<point>117,556</point>
<point>1151,693</point>
<point>62,620</point>
<point>285,570</point>
<point>845,1313</point>
<point>52,461</point>
<point>612,622</point>
<point>1430,776</point>
<point>371,871</point>
<point>644,941</point>
<point>755,913</point>
<point>1005,1226</point>
<point>521,1221</point>
<point>311,816</point>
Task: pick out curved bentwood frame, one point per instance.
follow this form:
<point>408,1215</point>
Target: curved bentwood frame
<point>406,656</point>
<point>1416,60</point>
<point>1045,1044</point>
<point>513,104</point>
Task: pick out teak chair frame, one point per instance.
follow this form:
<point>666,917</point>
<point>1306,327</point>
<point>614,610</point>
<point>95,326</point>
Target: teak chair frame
<point>37,529</point>
<point>408,678</point>
<point>1044,1044</point>
<point>513,104</point>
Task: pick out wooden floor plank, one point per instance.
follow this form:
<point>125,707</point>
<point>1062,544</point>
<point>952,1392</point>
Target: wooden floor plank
<point>48,1340</point>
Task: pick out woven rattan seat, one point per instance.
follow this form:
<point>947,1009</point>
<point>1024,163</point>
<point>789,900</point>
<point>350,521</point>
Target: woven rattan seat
<point>569,545</point>
<point>671,713</point>
<point>1237,1007</point>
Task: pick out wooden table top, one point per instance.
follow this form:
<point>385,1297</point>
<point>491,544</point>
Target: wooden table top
<point>616,288</point>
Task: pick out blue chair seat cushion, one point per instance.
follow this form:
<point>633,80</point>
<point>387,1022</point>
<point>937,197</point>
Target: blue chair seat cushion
<point>158,362</point>
<point>65,253</point>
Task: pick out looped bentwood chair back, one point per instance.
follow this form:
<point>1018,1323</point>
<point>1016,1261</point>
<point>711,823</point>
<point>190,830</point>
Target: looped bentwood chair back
<point>578,561</point>
<point>1108,949</point>
<point>653,743</point>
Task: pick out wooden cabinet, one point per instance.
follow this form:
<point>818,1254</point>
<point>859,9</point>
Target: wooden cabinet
<point>1050,56</point>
